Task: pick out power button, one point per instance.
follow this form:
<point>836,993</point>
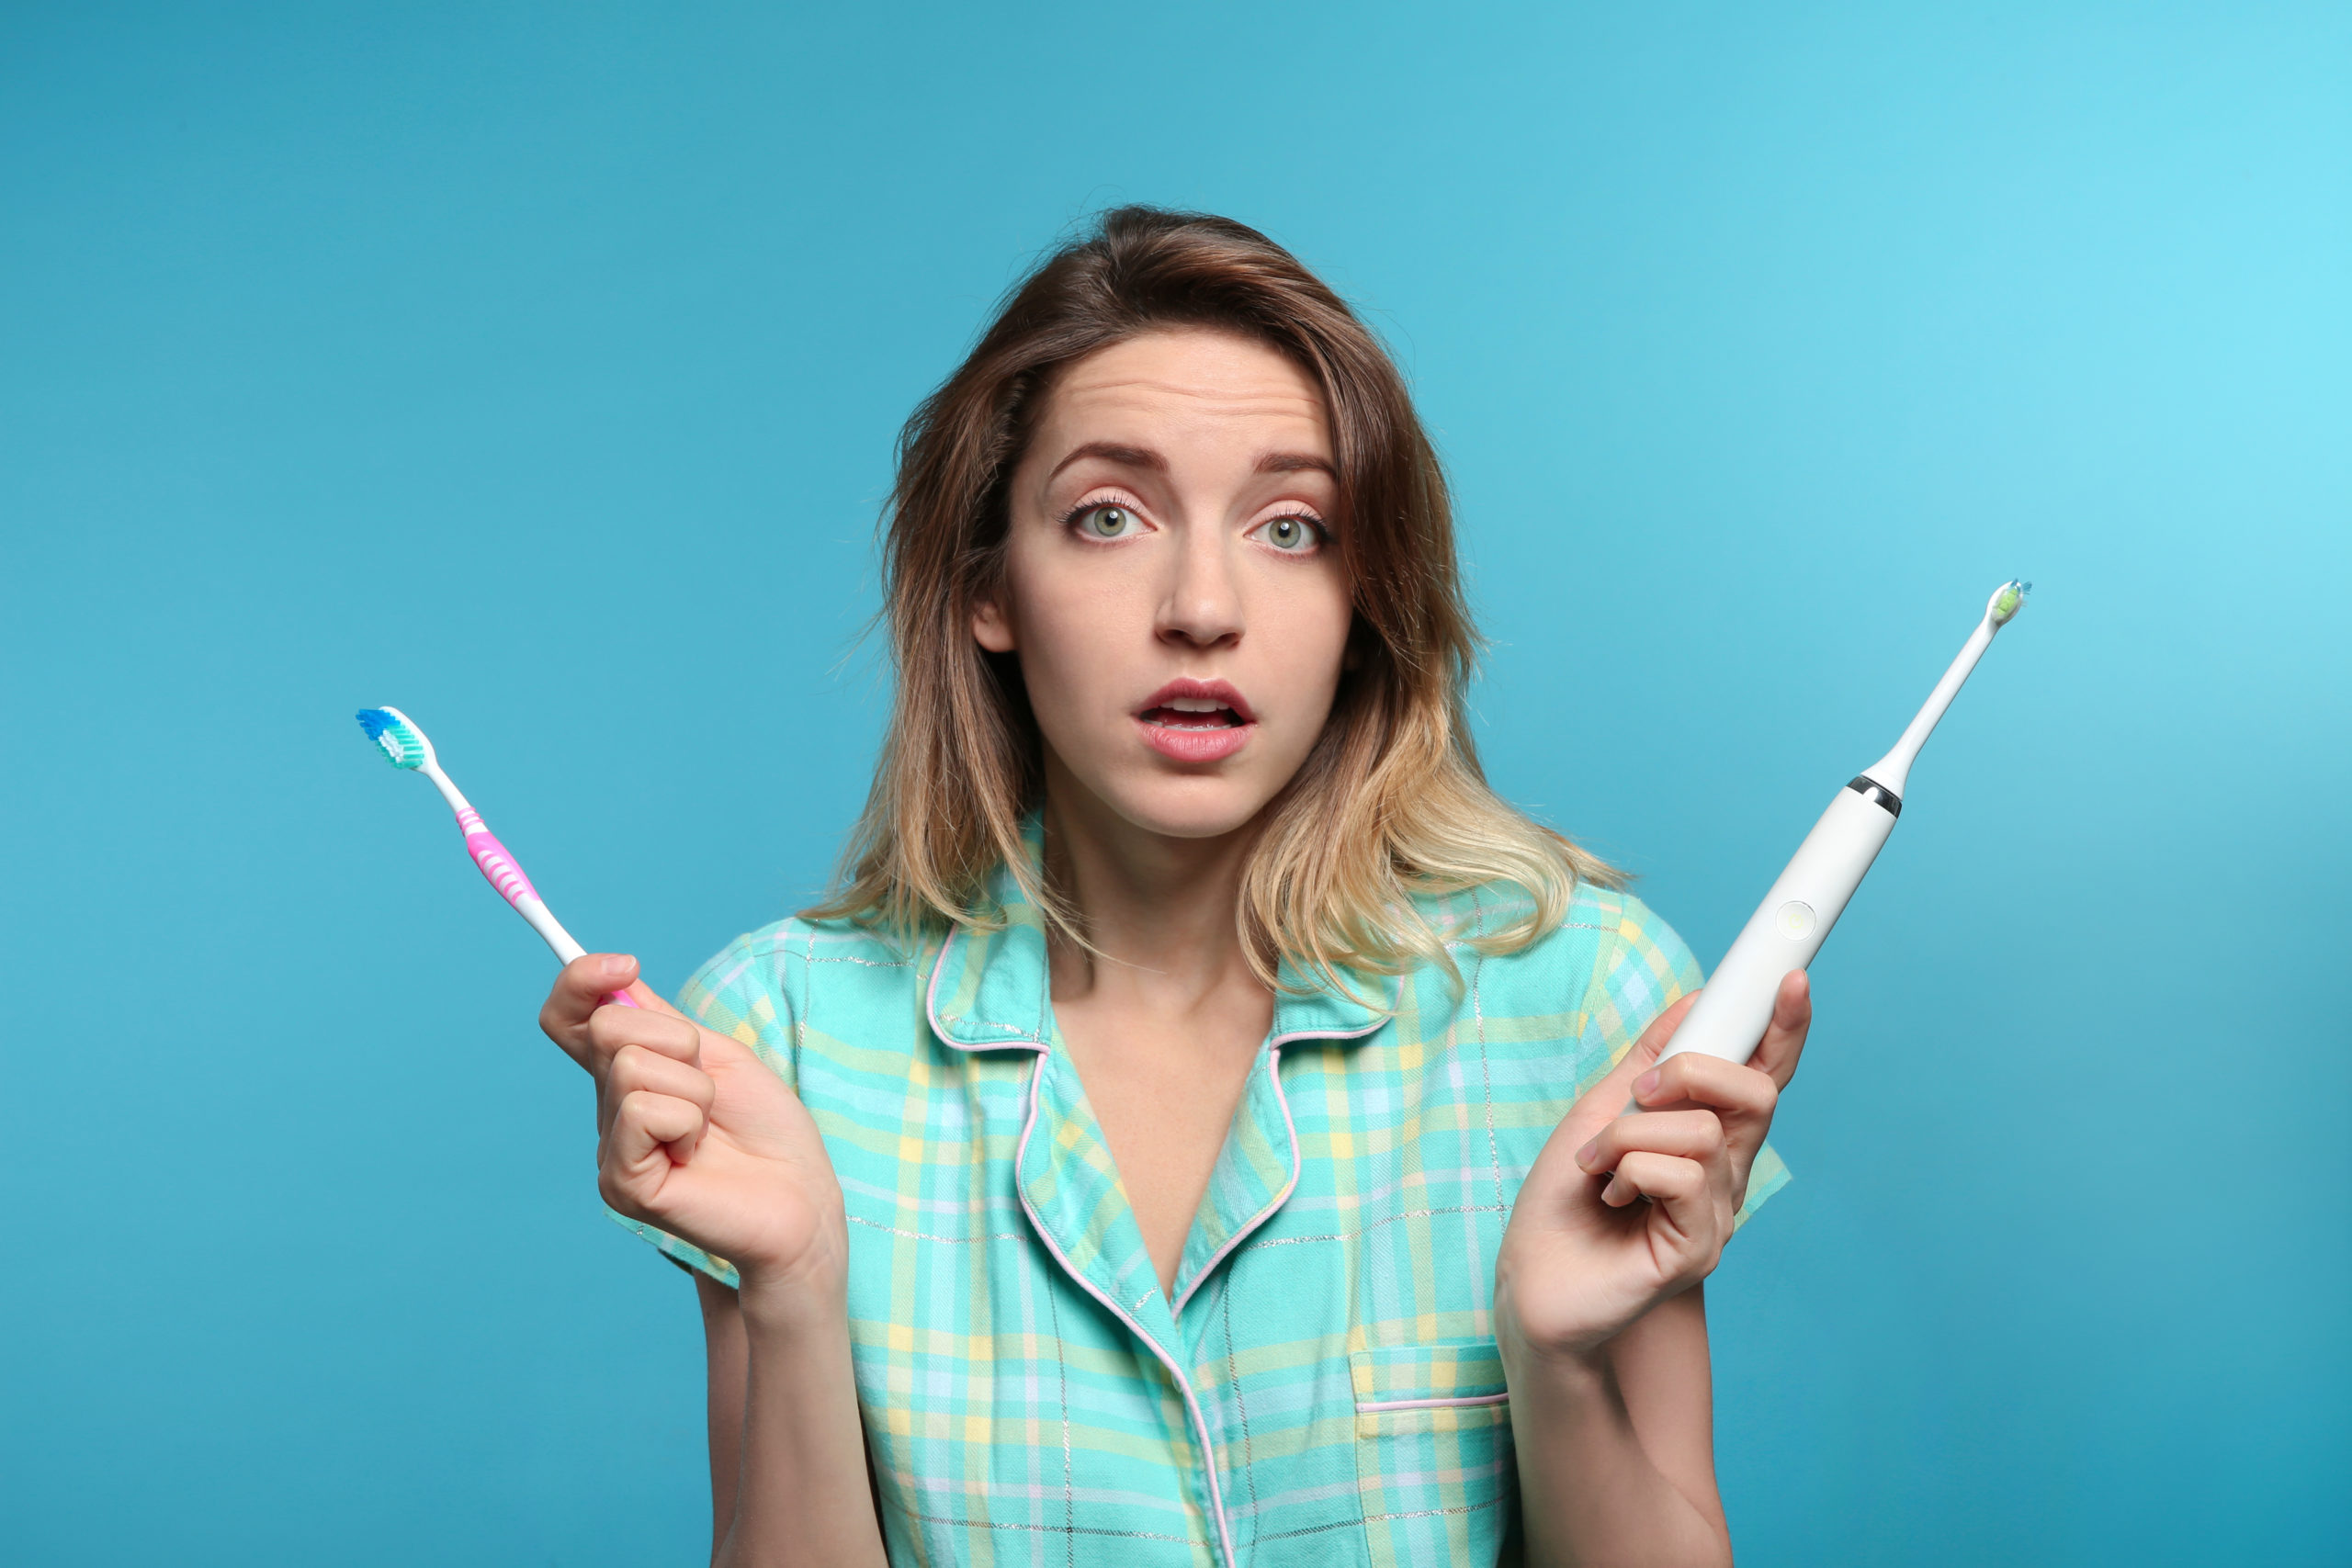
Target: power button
<point>1795,919</point>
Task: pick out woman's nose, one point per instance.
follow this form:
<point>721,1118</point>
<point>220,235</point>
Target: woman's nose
<point>1203,605</point>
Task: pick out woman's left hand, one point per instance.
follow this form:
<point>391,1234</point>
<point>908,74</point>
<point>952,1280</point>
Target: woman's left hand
<point>1583,1257</point>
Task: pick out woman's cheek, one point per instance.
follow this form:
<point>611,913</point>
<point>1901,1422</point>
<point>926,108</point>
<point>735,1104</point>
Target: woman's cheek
<point>1082,653</point>
<point>1306,642</point>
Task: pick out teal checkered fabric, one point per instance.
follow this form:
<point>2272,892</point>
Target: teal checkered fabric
<point>1322,1386</point>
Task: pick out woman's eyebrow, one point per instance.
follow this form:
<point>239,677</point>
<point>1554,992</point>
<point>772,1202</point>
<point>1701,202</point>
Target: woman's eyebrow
<point>1144,458</point>
<point>1113,451</point>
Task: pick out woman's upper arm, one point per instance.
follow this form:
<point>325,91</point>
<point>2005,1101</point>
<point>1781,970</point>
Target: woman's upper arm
<point>1662,1372</point>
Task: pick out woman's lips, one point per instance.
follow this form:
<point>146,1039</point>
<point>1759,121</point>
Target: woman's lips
<point>1196,721</point>
<point>1193,742</point>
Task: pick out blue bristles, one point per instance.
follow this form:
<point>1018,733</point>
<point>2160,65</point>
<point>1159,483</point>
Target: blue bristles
<point>401,743</point>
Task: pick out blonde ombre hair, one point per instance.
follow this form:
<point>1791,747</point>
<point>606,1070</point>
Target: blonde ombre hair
<point>1390,802</point>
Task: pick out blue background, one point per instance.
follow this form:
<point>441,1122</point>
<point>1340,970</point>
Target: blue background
<point>536,370</point>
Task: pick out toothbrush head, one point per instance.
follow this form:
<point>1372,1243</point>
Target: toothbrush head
<point>403,742</point>
<point>2007,600</point>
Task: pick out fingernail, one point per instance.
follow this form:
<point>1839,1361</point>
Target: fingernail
<point>1584,1155</point>
<point>1647,1082</point>
<point>616,964</point>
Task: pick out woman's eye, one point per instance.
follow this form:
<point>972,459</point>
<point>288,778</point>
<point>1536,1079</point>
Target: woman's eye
<point>1106,521</point>
<point>1289,534</point>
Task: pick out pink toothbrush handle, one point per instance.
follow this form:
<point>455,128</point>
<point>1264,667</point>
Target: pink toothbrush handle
<point>505,875</point>
<point>496,862</point>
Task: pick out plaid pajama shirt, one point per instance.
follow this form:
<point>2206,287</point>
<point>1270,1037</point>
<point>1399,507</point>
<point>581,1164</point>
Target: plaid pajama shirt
<point>1322,1387</point>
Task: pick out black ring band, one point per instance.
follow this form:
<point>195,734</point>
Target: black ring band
<point>1877,794</point>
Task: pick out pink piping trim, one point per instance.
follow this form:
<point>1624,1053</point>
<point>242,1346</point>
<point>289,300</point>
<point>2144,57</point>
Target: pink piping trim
<point>1273,1067</point>
<point>1282,1040</point>
<point>931,1006</point>
<point>1273,1071</point>
<point>931,992</point>
<point>1191,1405</point>
<point>1362,1405</point>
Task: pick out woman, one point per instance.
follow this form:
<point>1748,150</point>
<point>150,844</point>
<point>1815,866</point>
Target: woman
<point>1168,1140</point>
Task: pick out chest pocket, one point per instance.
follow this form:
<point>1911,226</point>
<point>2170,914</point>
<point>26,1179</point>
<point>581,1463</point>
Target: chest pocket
<point>1435,1470</point>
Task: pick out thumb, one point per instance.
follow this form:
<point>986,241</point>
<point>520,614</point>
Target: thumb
<point>586,984</point>
<point>611,977</point>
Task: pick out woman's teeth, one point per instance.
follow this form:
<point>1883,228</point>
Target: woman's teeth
<point>1193,712</point>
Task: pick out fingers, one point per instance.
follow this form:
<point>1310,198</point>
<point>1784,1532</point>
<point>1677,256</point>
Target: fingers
<point>1698,1078</point>
<point>1689,1135</point>
<point>1677,1185</point>
<point>1608,1096</point>
<point>1784,1040</point>
<point>637,1155</point>
<point>580,988</point>
<point>578,992</point>
<point>593,1039</point>
<point>1741,1097</point>
<point>636,1069</point>
<point>665,1033</point>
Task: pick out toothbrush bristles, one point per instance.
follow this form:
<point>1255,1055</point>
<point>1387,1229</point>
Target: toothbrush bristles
<point>400,744</point>
<point>2008,599</point>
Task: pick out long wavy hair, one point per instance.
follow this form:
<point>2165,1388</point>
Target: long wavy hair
<point>1390,803</point>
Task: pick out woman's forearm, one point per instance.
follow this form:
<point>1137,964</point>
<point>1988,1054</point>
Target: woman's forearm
<point>1590,1496</point>
<point>729,1365</point>
<point>801,1496</point>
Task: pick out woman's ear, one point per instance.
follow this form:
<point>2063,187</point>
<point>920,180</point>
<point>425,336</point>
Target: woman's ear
<point>991,628</point>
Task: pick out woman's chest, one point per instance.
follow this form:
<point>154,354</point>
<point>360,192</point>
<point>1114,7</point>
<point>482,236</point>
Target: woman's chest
<point>1164,1097</point>
<point>1321,1385</point>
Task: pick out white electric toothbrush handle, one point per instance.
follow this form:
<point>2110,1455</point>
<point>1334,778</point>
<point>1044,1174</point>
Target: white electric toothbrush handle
<point>1731,1014</point>
<point>1729,1018</point>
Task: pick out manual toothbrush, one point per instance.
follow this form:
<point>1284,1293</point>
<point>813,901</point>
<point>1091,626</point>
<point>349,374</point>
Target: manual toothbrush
<point>405,744</point>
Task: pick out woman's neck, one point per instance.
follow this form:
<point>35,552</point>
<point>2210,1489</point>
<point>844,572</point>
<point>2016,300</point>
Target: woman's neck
<point>1161,911</point>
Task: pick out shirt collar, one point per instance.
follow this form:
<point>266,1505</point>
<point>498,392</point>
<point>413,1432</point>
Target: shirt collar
<point>990,988</point>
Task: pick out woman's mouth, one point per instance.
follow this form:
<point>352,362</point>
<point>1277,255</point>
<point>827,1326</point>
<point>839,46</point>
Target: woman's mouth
<point>1193,712</point>
<point>1196,721</point>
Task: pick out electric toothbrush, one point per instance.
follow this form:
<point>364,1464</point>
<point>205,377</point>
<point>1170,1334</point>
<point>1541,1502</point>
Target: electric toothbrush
<point>1789,927</point>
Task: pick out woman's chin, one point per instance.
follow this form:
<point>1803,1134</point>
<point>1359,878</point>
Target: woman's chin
<point>1190,806</point>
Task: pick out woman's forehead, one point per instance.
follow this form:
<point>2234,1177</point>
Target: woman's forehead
<point>1214,382</point>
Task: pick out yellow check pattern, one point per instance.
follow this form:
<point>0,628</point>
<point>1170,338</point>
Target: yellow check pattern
<point>1032,1396</point>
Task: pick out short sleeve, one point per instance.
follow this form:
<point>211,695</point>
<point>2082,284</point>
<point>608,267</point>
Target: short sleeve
<point>1644,969</point>
<point>738,993</point>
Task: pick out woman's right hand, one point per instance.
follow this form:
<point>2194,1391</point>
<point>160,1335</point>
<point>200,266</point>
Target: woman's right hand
<point>697,1135</point>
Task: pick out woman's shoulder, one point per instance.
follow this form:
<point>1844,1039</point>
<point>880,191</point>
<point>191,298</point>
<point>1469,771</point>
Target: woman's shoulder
<point>764,977</point>
<point>1556,1006</point>
<point>1606,938</point>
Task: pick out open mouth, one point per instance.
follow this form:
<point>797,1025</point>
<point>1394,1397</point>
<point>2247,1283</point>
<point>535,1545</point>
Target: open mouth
<point>1196,721</point>
<point>1193,713</point>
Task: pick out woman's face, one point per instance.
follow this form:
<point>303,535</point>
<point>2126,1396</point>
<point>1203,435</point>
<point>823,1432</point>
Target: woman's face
<point>1179,611</point>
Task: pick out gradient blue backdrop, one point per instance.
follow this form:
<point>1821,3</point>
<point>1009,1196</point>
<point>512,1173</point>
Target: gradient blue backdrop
<point>536,370</point>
